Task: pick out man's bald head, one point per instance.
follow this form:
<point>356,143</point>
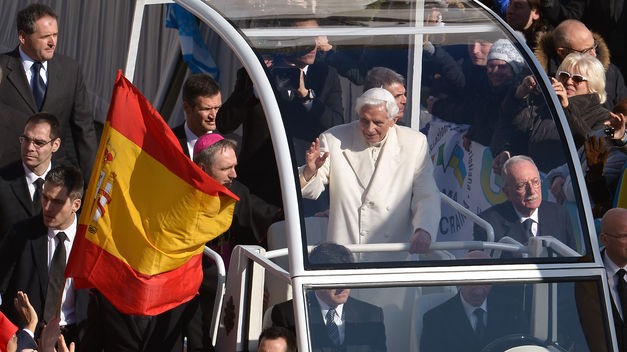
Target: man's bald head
<point>614,235</point>
<point>573,36</point>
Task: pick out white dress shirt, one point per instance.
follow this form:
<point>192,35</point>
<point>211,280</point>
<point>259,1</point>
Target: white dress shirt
<point>338,318</point>
<point>27,63</point>
<point>31,177</point>
<point>469,309</point>
<point>191,140</point>
<point>533,217</point>
<point>68,314</point>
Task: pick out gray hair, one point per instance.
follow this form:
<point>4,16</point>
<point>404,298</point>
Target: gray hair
<point>377,97</point>
<point>505,173</point>
<point>382,77</point>
<point>207,156</point>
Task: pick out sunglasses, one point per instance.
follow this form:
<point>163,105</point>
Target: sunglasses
<point>584,51</point>
<point>564,76</point>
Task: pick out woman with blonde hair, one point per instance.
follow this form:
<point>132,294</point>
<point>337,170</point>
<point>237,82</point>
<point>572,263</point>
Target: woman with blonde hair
<point>580,86</point>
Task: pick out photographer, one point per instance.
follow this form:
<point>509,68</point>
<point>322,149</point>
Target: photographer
<point>309,90</point>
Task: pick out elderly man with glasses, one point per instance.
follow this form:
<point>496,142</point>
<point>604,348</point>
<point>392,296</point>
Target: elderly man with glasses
<point>572,36</point>
<point>524,214</point>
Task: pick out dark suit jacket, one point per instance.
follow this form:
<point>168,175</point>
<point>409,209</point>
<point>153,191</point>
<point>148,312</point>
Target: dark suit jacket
<point>109,330</point>
<point>256,164</point>
<point>303,125</point>
<point>251,219</point>
<point>447,328</point>
<point>23,267</point>
<point>24,341</point>
<point>66,98</point>
<point>15,200</point>
<point>252,216</point>
<point>12,126</point>
<point>553,220</point>
<point>364,328</point>
<point>179,132</point>
<point>591,326</point>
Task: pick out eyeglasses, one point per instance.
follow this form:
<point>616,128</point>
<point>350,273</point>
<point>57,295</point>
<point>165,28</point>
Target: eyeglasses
<point>38,143</point>
<point>577,78</point>
<point>522,186</point>
<point>584,51</point>
<point>620,237</point>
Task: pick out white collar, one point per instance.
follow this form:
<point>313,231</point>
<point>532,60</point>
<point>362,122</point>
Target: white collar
<point>533,216</point>
<point>28,62</point>
<point>70,231</point>
<point>31,176</point>
<point>325,307</point>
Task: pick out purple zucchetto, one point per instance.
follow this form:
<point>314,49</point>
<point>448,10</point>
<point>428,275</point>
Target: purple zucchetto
<point>205,141</point>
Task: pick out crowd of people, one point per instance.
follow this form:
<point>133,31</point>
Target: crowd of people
<point>372,177</point>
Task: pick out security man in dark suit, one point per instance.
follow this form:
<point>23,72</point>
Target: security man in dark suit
<point>201,101</point>
<point>21,181</point>
<point>471,319</point>
<point>337,321</point>
<point>36,79</point>
<point>614,238</point>
<point>34,254</point>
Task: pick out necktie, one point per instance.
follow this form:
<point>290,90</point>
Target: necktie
<point>622,291</point>
<point>56,281</point>
<point>527,226</point>
<point>332,329</point>
<point>37,195</point>
<point>480,328</point>
<point>39,86</point>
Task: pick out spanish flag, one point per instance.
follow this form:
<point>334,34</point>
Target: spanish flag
<point>7,330</point>
<point>147,214</point>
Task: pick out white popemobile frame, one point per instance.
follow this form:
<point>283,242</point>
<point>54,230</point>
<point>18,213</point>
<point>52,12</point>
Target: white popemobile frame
<point>239,310</point>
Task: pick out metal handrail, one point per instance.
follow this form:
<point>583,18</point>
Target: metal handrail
<point>478,220</point>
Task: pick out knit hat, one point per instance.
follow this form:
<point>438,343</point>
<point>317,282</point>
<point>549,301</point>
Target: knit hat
<point>205,141</point>
<point>504,50</point>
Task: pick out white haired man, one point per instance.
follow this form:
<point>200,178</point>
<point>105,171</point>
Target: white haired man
<point>380,179</point>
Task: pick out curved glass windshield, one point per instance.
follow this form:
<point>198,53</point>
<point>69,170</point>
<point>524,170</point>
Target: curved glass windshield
<point>400,122</point>
<point>487,317</point>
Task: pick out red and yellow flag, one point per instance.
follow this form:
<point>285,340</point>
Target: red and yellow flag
<point>147,214</point>
<point>7,330</point>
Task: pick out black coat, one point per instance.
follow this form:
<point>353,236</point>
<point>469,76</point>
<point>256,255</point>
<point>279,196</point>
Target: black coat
<point>447,328</point>
<point>585,114</point>
<point>302,125</point>
<point>108,330</point>
<point>179,132</point>
<point>256,164</point>
<point>66,98</point>
<point>364,330</point>
<point>528,128</point>
<point>553,220</point>
<point>614,80</point>
<point>24,267</point>
<point>15,201</point>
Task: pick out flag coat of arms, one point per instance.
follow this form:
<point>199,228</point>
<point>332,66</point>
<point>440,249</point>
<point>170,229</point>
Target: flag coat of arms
<point>147,213</point>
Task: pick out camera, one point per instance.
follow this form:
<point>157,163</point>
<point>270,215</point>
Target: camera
<point>609,131</point>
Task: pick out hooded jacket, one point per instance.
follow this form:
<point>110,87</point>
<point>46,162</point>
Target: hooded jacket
<point>546,54</point>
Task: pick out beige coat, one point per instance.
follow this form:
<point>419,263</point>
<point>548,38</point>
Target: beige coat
<point>382,204</point>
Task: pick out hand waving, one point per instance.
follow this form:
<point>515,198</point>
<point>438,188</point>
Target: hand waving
<point>314,160</point>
